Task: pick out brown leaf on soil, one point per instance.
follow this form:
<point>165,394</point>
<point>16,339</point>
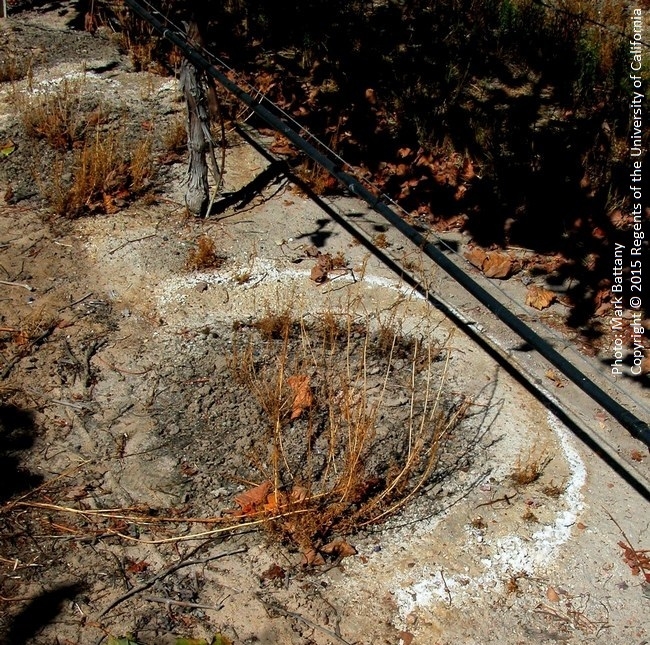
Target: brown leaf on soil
<point>460,192</point>
<point>539,298</point>
<point>136,567</point>
<point>550,374</point>
<point>282,146</point>
<point>274,572</point>
<point>619,219</point>
<point>303,398</point>
<point>188,470</point>
<point>318,273</point>
<point>339,548</point>
<point>552,595</point>
<point>476,257</point>
<point>250,499</point>
<point>637,560</point>
<point>275,501</point>
<point>468,173</point>
<point>312,558</point>
<point>298,494</point>
<point>497,265</point>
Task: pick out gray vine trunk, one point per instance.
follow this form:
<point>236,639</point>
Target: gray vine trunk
<point>197,194</point>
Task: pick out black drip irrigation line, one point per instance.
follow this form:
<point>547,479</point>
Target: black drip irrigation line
<point>638,428</point>
<point>594,443</point>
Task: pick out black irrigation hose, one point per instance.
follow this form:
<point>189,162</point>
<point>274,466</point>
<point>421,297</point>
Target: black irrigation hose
<point>638,428</point>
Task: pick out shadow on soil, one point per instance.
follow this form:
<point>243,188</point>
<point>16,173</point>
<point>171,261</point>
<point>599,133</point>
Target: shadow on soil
<point>16,436</point>
<point>38,613</point>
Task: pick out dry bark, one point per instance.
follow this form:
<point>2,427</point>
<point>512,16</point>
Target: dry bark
<point>197,193</point>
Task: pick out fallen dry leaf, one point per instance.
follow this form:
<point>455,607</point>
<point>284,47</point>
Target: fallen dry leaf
<point>553,376</point>
<point>298,494</point>
<point>274,572</point>
<point>303,398</point>
<point>539,298</point>
<point>339,548</point>
<point>552,595</point>
<point>318,273</point>
<point>497,265</point>
<point>250,499</point>
<point>468,173</point>
<point>476,257</point>
<point>312,558</point>
<point>637,560</point>
<point>273,502</point>
<point>139,566</point>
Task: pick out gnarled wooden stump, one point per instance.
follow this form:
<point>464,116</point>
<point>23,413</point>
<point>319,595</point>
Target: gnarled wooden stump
<point>197,193</point>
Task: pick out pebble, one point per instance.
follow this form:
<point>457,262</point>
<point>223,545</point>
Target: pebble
<point>201,286</point>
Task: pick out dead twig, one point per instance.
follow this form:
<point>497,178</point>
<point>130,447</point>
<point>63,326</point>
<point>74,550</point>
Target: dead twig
<point>444,582</point>
<point>306,621</point>
<point>504,498</point>
<point>17,284</point>
<point>137,239</point>
<point>76,302</point>
<point>168,571</point>
<point>181,603</point>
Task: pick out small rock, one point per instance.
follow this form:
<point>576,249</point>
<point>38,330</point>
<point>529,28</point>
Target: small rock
<point>201,286</point>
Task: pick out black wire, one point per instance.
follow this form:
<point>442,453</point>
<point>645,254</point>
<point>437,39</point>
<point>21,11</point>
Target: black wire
<point>638,428</point>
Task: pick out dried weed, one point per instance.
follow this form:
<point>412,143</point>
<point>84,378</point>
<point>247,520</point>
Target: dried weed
<point>311,383</point>
<point>204,256</point>
<point>531,470</point>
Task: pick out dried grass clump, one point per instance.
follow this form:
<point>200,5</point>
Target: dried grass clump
<point>204,256</point>
<point>56,116</point>
<point>319,460</point>
<point>13,69</point>
<point>529,471</point>
<point>276,326</point>
<point>104,171</point>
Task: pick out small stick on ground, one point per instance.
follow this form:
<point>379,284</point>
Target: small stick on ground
<point>76,302</point>
<point>17,284</point>
<point>137,239</point>
<point>168,571</point>
<point>306,621</point>
<point>181,603</point>
<point>444,582</point>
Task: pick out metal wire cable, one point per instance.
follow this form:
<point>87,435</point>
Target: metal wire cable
<point>561,342</point>
<point>258,95</point>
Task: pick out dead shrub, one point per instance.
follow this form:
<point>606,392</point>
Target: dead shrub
<point>55,117</point>
<point>204,256</point>
<point>319,460</point>
<point>529,471</point>
<point>103,172</point>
